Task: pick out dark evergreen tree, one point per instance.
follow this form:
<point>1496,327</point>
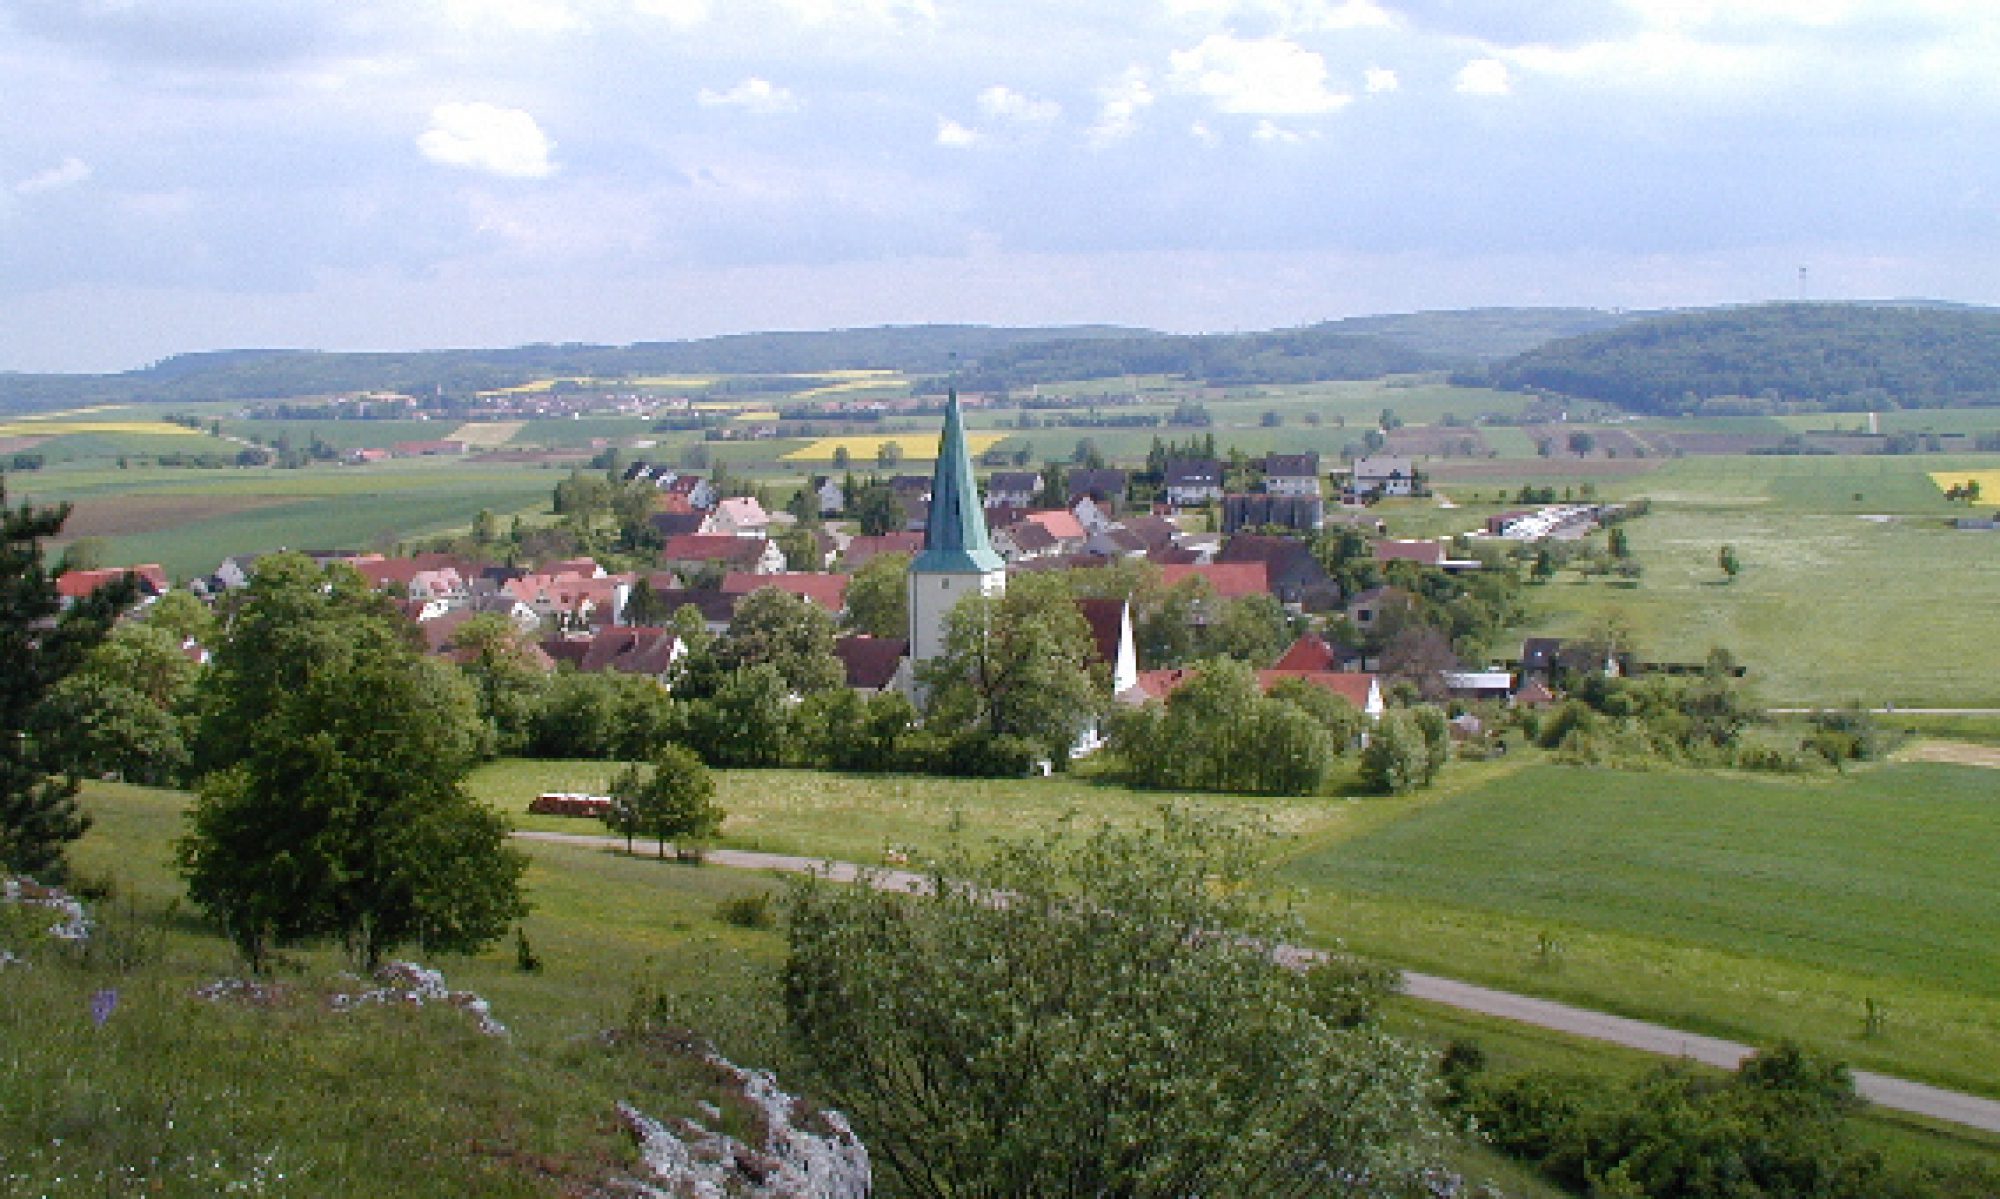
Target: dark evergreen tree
<point>39,644</point>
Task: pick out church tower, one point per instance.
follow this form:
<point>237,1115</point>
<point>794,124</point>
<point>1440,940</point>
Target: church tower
<point>958,559</point>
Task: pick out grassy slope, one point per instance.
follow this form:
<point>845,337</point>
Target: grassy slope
<point>1754,908</point>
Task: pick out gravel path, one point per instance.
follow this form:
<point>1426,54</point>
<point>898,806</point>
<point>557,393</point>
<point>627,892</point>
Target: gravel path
<point>1935,1103</point>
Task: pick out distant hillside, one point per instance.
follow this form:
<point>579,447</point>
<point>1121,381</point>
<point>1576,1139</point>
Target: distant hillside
<point>1839,356</point>
<point>272,374</point>
<point>1474,335</point>
<point>1285,356</point>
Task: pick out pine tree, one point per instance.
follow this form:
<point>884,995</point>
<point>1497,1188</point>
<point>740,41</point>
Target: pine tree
<point>38,813</point>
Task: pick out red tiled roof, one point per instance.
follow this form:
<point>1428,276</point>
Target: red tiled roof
<point>704,547</point>
<point>1428,553</point>
<point>1309,652</point>
<point>77,584</point>
<point>1229,580</point>
<point>826,591</point>
<point>1058,523</point>
<point>860,549</point>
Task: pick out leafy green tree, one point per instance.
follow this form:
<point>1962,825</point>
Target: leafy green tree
<point>800,546</point>
<point>39,645</point>
<point>1117,1026</point>
<point>1250,628</point>
<point>842,459</point>
<point>1397,757</point>
<point>878,596</point>
<point>502,665</point>
<point>747,721</point>
<point>1726,559</point>
<point>89,727</point>
<point>875,508</point>
<point>336,804</point>
<point>787,632</point>
<point>1618,542</point>
<point>671,799</point>
<point>183,617</point>
<point>1015,666</point>
<point>888,454</point>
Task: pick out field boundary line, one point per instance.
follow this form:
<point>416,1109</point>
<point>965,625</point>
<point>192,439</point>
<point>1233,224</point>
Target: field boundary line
<point>1884,1090</point>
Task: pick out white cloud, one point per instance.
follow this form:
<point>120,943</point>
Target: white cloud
<point>880,12</point>
<point>954,135</point>
<point>67,173</point>
<point>526,16</point>
<point>1121,101</point>
<point>1484,77</point>
<point>1379,80</point>
<point>1262,76</point>
<point>1290,16</point>
<point>681,14</point>
<point>1208,138</point>
<point>486,137</point>
<point>1271,132</point>
<point>751,95</point>
<point>1007,104</point>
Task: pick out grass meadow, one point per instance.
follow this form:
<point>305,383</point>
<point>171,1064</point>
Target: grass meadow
<point>1678,874</point>
<point>1743,906</point>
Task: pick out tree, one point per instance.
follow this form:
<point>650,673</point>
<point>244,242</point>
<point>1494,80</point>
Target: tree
<point>673,799</point>
<point>842,459</point>
<point>500,662</point>
<point>1015,666</point>
<point>876,508</point>
<point>1252,628</point>
<point>643,605</point>
<point>89,727</point>
<point>746,722</point>
<point>800,546</point>
<point>1618,543</point>
<point>1116,1026</point>
<point>336,805</point>
<point>889,454</point>
<point>1581,443</point>
<point>1397,757</point>
<point>183,617</point>
<point>788,632</point>
<point>878,596</point>
<point>39,645</point>
<point>1727,560</point>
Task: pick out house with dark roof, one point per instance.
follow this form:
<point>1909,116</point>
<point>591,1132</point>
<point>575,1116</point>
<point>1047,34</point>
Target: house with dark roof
<point>1193,481</point>
<point>1012,488</point>
<point>1378,475</point>
<point>1365,609</point>
<point>1105,487</point>
<point>642,651</point>
<point>676,524</point>
<point>873,663</point>
<point>1296,577</point>
<point>1291,474</point>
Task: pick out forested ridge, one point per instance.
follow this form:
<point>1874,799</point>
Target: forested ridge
<point>1849,357</point>
<point>278,374</point>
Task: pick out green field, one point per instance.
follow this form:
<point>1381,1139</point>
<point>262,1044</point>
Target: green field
<point>189,520</point>
<point>1734,904</point>
<point>858,817</point>
<point>1840,598</point>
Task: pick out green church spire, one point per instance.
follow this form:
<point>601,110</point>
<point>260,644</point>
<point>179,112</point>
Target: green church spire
<point>955,540</point>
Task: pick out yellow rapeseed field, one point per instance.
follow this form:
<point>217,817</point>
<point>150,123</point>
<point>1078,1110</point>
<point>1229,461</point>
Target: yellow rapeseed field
<point>863,448</point>
<point>762,414</point>
<point>1988,480</point>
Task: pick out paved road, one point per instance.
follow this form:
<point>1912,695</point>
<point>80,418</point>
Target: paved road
<point>1893,711</point>
<point>1936,1103</point>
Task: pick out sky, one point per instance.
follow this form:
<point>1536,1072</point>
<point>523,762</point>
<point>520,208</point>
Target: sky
<point>180,175</point>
